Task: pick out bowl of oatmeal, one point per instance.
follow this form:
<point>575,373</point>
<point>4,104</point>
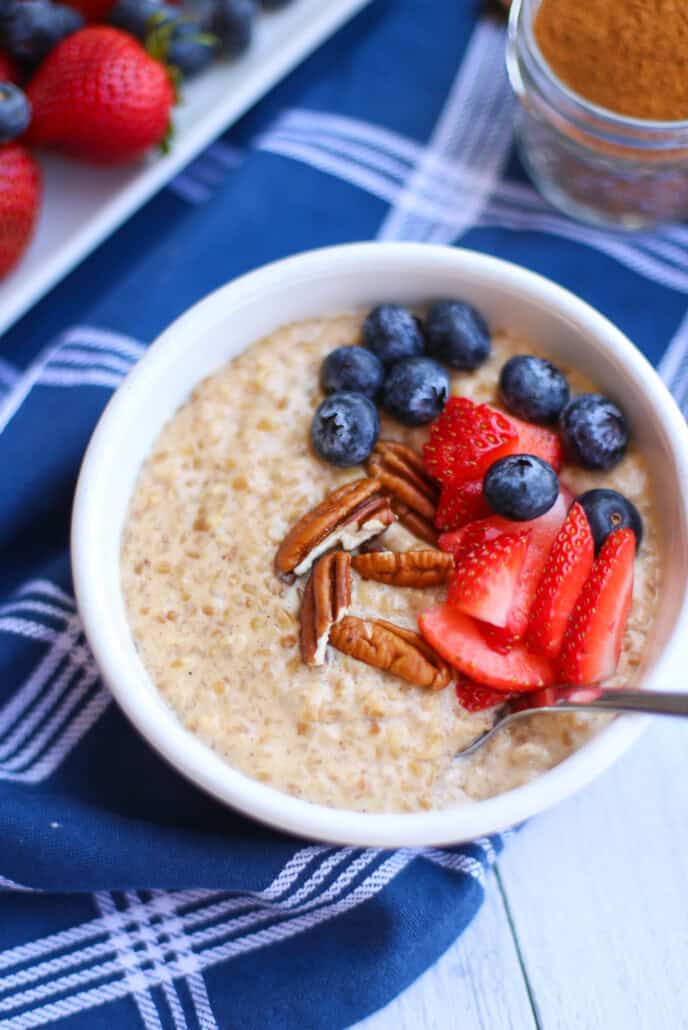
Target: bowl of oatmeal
<point>223,568</point>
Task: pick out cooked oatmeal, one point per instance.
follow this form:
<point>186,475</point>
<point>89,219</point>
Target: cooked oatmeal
<point>218,631</point>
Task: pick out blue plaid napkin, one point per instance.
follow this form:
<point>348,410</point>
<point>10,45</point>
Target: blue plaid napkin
<point>127,898</point>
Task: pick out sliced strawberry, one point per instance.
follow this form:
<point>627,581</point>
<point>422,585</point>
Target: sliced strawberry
<point>498,638</point>
<point>458,639</point>
<point>461,503</point>
<point>594,635</point>
<point>487,577</point>
<point>543,443</point>
<point>567,569</point>
<point>466,439</point>
<point>476,698</point>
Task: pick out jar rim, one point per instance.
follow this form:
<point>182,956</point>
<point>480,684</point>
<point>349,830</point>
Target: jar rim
<point>642,131</point>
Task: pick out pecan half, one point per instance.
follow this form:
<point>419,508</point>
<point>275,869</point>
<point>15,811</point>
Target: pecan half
<point>414,494</point>
<point>391,648</point>
<point>407,569</point>
<point>326,600</point>
<point>348,516</point>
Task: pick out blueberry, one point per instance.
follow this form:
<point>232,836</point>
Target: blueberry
<point>190,50</point>
<point>15,112</point>
<point>594,431</point>
<point>393,333</point>
<point>533,388</point>
<point>30,30</point>
<point>233,25</point>
<point>608,510</point>
<point>345,428</point>
<point>457,334</point>
<point>352,368</point>
<point>415,391</point>
<point>520,487</point>
<point>139,17</point>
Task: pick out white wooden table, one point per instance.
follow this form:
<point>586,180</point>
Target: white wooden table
<point>585,922</point>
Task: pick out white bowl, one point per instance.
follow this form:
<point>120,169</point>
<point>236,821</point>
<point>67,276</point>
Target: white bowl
<point>327,282</point>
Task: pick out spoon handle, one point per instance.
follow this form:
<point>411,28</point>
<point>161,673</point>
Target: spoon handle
<point>652,702</point>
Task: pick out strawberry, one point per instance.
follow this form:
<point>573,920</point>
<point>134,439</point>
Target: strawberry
<point>567,569</point>
<point>8,71</point>
<point>487,577</point>
<point>100,97</point>
<point>20,201</point>
<point>466,439</point>
<point>498,638</point>
<point>594,635</point>
<point>92,10</point>
<point>458,639</point>
<point>537,440</point>
<point>461,503</point>
<point>475,698</point>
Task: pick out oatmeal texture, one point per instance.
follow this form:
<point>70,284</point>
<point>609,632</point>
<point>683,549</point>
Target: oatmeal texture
<point>218,631</point>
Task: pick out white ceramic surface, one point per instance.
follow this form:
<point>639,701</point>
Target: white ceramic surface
<point>83,204</point>
<point>325,282</point>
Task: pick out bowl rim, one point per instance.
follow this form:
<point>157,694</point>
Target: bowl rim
<point>158,723</point>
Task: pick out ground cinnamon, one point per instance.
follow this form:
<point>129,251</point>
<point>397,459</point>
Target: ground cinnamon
<point>629,56</point>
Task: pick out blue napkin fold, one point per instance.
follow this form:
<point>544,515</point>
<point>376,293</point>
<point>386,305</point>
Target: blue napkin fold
<point>127,897</point>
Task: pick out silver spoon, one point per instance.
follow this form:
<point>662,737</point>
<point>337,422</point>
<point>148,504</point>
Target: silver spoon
<point>595,699</point>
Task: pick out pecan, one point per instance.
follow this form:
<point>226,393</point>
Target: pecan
<point>391,648</point>
<point>407,569</point>
<point>413,493</point>
<point>326,600</point>
<point>347,516</point>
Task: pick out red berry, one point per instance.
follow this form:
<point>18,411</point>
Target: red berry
<point>8,70</point>
<point>461,503</point>
<point>466,439</point>
<point>20,201</point>
<point>92,10</point>
<point>567,569</point>
<point>498,638</point>
<point>487,577</point>
<point>476,698</point>
<point>543,443</point>
<point>458,639</point>
<point>594,635</point>
<point>100,97</point>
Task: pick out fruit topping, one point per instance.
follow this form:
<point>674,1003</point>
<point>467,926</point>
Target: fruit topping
<point>608,510</point>
<point>543,443</point>
<point>461,503</point>
<point>393,333</point>
<point>487,576</point>
<point>458,639</point>
<point>499,638</point>
<point>345,428</point>
<point>15,112</point>
<point>233,24</point>
<point>476,698</point>
<point>139,16</point>
<point>30,30</point>
<point>20,201</point>
<point>567,569</point>
<point>457,334</point>
<point>185,47</point>
<point>415,391</point>
<point>355,369</point>
<point>521,487</point>
<point>594,431</point>
<point>594,635</point>
<point>466,439</point>
<point>533,389</point>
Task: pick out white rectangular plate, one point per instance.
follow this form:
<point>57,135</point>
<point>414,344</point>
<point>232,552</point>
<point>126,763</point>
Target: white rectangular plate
<point>83,204</point>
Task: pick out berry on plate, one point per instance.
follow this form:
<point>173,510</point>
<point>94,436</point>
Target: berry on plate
<point>461,503</point>
<point>100,97</point>
<point>567,569</point>
<point>520,487</point>
<point>415,391</point>
<point>32,29</point>
<point>466,439</point>
<point>476,698</point>
<point>594,431</point>
<point>140,16</point>
<point>487,574</point>
<point>457,638</point>
<point>20,200</point>
<point>594,635</point>
<point>533,389</point>
<point>345,428</point>
<point>233,24</point>
<point>393,333</point>
<point>457,335</point>
<point>355,369</point>
<point>608,510</point>
<point>186,48</point>
<point>15,112</point>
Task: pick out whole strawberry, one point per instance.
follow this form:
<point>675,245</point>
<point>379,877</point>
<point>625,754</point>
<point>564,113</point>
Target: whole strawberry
<point>100,97</point>
<point>20,201</point>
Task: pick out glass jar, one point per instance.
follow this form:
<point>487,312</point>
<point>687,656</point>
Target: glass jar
<point>591,163</point>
